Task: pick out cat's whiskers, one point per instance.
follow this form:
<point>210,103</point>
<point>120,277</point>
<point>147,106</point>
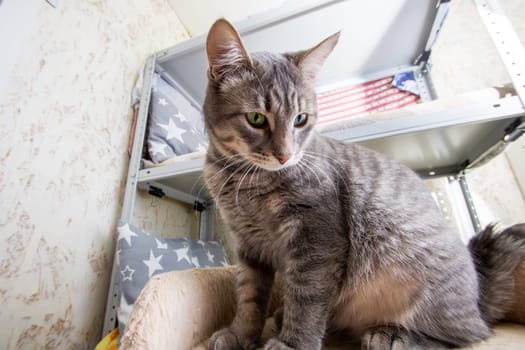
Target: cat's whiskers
<point>245,170</point>
<point>321,168</point>
<point>299,170</point>
<point>302,169</point>
<point>239,184</point>
<point>255,174</point>
<point>241,168</point>
<point>311,160</point>
<point>340,175</point>
<point>230,161</point>
<point>257,181</point>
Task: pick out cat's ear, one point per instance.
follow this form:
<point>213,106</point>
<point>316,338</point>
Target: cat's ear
<point>226,52</point>
<point>312,60</point>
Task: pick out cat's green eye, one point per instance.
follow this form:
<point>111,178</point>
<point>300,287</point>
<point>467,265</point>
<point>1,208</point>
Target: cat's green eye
<point>300,120</point>
<point>255,119</point>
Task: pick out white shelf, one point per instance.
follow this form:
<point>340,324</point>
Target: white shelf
<point>377,36</point>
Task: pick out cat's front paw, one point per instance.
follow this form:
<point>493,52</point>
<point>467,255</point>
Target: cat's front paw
<point>226,339</point>
<point>276,344</point>
<point>384,338</point>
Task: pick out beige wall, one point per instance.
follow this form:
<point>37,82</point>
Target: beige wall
<point>198,15</point>
<point>65,121</point>
<point>465,59</point>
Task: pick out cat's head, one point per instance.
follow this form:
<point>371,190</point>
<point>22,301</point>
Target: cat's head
<point>261,106</point>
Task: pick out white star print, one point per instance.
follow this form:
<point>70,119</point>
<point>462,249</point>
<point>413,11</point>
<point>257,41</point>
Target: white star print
<point>118,256</point>
<point>201,148</point>
<point>161,245</point>
<point>182,253</point>
<point>124,310</point>
<point>162,101</point>
<point>157,147</point>
<point>127,273</point>
<point>173,131</point>
<point>179,116</point>
<point>211,257</point>
<point>195,261</point>
<point>153,263</point>
<point>126,233</point>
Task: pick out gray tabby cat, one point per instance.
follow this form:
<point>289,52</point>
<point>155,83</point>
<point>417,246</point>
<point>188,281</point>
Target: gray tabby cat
<point>358,240</point>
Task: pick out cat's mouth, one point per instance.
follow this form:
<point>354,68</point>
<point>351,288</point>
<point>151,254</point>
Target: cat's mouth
<point>276,163</point>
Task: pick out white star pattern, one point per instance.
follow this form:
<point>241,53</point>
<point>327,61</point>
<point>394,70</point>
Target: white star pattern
<point>153,263</point>
<point>126,233</point>
<point>201,148</point>
<point>410,86</point>
<point>195,261</point>
<point>127,273</point>
<point>124,309</point>
<point>211,257</point>
<point>173,131</point>
<point>163,102</point>
<point>182,253</point>
<point>118,257</point>
<point>157,147</point>
<point>161,245</point>
<point>179,116</point>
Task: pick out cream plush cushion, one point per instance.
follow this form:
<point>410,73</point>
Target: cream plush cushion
<point>179,310</point>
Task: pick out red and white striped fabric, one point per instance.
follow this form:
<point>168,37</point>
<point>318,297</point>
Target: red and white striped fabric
<point>358,100</point>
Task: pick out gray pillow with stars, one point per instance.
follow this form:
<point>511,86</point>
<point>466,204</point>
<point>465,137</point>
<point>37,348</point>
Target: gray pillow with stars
<point>142,255</point>
<point>175,126</point>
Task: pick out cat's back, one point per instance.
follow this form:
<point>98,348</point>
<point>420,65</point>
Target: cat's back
<point>385,202</point>
<point>372,175</point>
<point>399,242</point>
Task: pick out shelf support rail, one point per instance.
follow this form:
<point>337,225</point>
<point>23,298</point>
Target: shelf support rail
<point>113,296</point>
<point>506,42</point>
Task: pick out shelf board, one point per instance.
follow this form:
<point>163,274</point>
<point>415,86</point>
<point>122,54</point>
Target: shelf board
<point>436,144</point>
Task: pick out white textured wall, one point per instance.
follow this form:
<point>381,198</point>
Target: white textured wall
<point>63,136</point>
<point>198,15</point>
<point>465,59</point>
<point>65,121</point>
<point>15,25</point>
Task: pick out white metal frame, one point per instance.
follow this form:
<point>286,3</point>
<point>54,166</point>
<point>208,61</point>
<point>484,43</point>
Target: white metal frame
<point>508,46</point>
<point>506,42</point>
<point>113,296</point>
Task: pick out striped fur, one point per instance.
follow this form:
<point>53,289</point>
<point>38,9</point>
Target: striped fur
<point>356,238</point>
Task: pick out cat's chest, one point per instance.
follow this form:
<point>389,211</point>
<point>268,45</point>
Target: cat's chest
<point>261,228</point>
<point>264,207</point>
<point>260,211</point>
<point>249,195</point>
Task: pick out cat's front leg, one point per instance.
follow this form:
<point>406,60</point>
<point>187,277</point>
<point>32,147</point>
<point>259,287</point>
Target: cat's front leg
<point>391,337</point>
<point>253,286</point>
<point>309,291</point>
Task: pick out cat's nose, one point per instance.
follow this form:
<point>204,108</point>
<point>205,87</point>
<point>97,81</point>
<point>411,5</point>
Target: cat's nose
<point>282,158</point>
